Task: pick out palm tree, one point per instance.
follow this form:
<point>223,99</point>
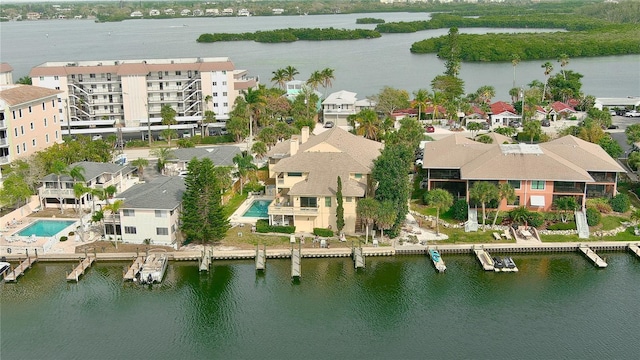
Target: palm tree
<point>114,208</point>
<point>79,190</point>
<point>505,192</point>
<point>290,73</point>
<point>162,154</point>
<point>483,192</point>
<point>367,209</point>
<point>368,124</point>
<point>208,118</point>
<point>254,103</point>
<point>315,80</point>
<point>442,200</point>
<point>58,168</point>
<point>260,149</point>
<point>168,115</point>
<point>421,100</point>
<point>279,78</point>
<point>515,94</point>
<point>386,216</point>
<point>140,163</point>
<point>564,61</point>
<point>207,99</point>
<point>485,94</point>
<point>327,78</point>
<point>515,60</point>
<point>436,99</point>
<point>532,128</point>
<point>548,68</point>
<point>245,165</point>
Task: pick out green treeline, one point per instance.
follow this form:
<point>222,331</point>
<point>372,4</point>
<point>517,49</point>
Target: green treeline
<point>541,21</point>
<point>369,20</point>
<point>618,40</point>
<point>291,35</point>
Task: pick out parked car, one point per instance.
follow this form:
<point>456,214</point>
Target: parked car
<point>632,113</point>
<point>486,126</point>
<point>621,112</point>
<point>515,123</point>
<point>430,128</point>
<point>328,124</point>
<point>97,137</point>
<point>612,112</point>
<point>545,123</point>
<point>612,127</point>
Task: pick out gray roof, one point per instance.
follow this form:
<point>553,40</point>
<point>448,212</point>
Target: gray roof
<point>219,155</point>
<point>92,170</point>
<point>163,193</point>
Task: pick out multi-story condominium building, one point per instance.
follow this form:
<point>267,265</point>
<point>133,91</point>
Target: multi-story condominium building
<point>57,189</point>
<point>539,173</point>
<point>100,96</point>
<point>150,211</point>
<point>29,121</point>
<point>305,171</point>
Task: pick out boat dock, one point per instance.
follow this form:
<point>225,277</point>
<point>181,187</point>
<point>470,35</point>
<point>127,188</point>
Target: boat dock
<point>635,249</point>
<point>79,270</point>
<point>437,260</point>
<point>130,275</point>
<point>295,264</point>
<point>205,262</point>
<point>485,259</point>
<point>591,255</point>
<point>13,275</point>
<point>261,258</point>
<point>358,258</point>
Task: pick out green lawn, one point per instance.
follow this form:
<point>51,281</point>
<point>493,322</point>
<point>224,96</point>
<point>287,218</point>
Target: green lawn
<point>611,222</point>
<point>458,236</point>
<point>234,204</point>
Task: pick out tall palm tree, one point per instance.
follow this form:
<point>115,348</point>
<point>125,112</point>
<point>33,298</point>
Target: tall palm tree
<point>548,69</point>
<point>207,99</point>
<point>208,118</point>
<point>279,78</point>
<point>162,154</point>
<point>368,124</point>
<point>290,73</point>
<point>140,163</point>
<point>168,115</point>
<point>114,208</point>
<point>254,103</point>
<point>260,149</point>
<point>245,165</point>
<point>505,192</point>
<point>485,93</point>
<point>327,79</point>
<point>483,192</point>
<point>564,61</point>
<point>420,100</point>
<point>515,60</point>
<point>442,200</point>
<point>315,80</point>
<point>367,209</point>
<point>79,190</point>
<point>58,168</point>
<point>436,99</point>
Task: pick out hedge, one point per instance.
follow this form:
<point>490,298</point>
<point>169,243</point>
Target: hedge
<point>322,232</point>
<point>562,226</point>
<point>593,217</point>
<point>262,226</point>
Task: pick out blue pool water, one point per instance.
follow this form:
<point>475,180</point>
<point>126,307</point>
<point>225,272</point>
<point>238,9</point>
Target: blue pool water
<point>45,227</point>
<point>258,209</point>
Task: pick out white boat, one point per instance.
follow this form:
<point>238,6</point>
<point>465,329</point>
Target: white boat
<point>153,269</point>
<point>4,267</point>
<point>437,260</point>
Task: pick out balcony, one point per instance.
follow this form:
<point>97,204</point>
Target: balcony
<point>603,177</point>
<point>292,210</point>
<point>4,160</point>
<point>57,193</point>
<point>568,187</point>
<point>3,124</point>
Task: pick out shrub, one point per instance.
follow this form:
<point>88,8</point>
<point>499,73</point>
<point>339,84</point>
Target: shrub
<point>620,203</point>
<point>71,233</point>
<point>460,210</point>
<point>137,143</point>
<point>600,204</point>
<point>262,226</point>
<point>593,217</point>
<point>535,219</point>
<point>322,232</point>
<point>562,226</point>
<point>185,143</point>
<point>208,140</point>
<point>63,238</point>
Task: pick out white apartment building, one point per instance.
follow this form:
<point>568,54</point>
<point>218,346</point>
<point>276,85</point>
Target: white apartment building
<point>99,96</point>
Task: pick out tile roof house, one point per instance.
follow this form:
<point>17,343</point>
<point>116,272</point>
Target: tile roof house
<point>150,211</point>
<point>539,173</point>
<point>305,174</point>
<point>558,110</point>
<point>97,176</point>
<point>502,113</point>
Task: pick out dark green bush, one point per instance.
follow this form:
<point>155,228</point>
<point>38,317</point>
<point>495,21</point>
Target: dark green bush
<point>535,219</point>
<point>563,226</point>
<point>322,232</point>
<point>593,217</point>
<point>63,238</point>
<point>460,210</point>
<point>221,139</point>
<point>262,226</point>
<point>620,203</point>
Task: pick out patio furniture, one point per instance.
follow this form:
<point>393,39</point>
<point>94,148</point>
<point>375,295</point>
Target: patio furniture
<point>496,236</point>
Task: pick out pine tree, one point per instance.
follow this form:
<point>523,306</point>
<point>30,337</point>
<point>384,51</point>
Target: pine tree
<point>340,208</point>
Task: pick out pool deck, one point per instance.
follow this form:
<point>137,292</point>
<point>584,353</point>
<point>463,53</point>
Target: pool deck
<point>236,218</point>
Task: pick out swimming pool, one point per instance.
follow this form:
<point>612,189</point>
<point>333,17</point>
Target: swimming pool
<point>258,209</point>
<point>45,227</point>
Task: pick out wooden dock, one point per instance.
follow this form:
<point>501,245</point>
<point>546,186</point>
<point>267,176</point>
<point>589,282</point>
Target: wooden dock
<point>13,275</point>
<point>358,258</point>
<point>79,270</point>
<point>295,264</point>
<point>485,259</point>
<point>205,262</point>
<point>635,249</point>
<point>130,275</point>
<point>591,255</point>
<point>261,258</point>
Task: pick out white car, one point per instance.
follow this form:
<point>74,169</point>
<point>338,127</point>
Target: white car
<point>632,113</point>
<point>97,137</point>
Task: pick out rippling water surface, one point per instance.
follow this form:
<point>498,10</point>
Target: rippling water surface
<point>557,306</point>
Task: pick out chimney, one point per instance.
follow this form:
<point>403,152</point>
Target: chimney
<point>293,146</point>
<point>304,135</point>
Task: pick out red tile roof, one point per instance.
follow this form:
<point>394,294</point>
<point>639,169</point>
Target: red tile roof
<point>560,107</point>
<point>500,107</point>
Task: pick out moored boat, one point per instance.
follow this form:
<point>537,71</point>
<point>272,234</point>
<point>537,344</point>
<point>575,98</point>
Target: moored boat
<point>153,269</point>
<point>4,267</point>
<point>510,264</point>
<point>437,260</point>
<point>498,264</point>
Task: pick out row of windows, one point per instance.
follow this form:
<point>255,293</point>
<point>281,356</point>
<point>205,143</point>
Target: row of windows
<point>313,202</point>
<point>31,126</point>
<point>132,212</point>
<point>159,230</point>
<point>18,114</point>
<point>535,184</point>
<point>23,148</point>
